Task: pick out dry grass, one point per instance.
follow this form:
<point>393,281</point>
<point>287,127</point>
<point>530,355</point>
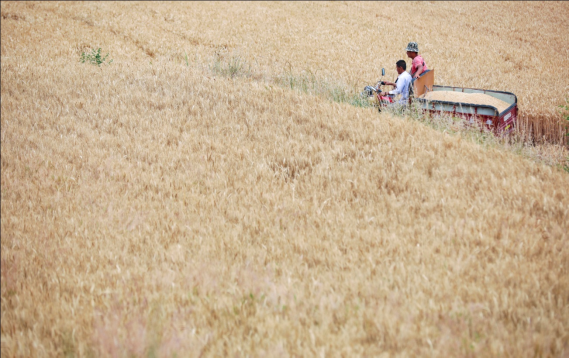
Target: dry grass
<point>155,207</point>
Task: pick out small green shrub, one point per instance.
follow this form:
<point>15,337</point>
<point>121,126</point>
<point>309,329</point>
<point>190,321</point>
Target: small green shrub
<point>232,67</point>
<point>94,57</point>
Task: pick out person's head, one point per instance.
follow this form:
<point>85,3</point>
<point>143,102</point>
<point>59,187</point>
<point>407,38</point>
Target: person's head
<point>412,49</point>
<point>400,66</point>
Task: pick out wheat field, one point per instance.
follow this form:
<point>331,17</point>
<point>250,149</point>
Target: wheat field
<point>182,201</point>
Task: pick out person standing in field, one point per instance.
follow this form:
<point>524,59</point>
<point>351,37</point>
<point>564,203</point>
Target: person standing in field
<point>401,84</point>
<point>418,65</point>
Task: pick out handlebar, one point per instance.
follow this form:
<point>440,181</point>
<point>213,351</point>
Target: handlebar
<point>380,83</point>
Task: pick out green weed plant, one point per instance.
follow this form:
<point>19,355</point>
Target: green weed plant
<point>232,67</point>
<point>94,57</point>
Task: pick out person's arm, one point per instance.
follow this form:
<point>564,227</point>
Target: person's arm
<point>395,91</point>
<point>390,92</point>
<point>419,71</point>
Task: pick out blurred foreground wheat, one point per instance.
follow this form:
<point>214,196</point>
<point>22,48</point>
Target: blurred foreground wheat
<point>176,203</point>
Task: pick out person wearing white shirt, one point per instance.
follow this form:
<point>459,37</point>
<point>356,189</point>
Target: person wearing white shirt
<point>401,84</point>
